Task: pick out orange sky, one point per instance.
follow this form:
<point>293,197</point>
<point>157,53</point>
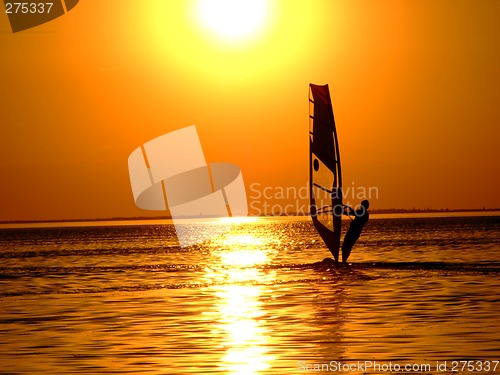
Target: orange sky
<point>415,87</point>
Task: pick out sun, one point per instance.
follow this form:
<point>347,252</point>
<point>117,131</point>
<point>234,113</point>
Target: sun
<point>233,20</point>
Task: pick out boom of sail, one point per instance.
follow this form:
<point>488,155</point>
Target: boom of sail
<point>325,177</point>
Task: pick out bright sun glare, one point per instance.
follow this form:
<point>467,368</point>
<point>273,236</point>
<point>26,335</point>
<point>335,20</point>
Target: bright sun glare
<point>233,20</point>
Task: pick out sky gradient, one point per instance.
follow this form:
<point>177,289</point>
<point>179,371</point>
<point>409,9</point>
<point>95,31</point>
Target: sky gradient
<point>415,87</point>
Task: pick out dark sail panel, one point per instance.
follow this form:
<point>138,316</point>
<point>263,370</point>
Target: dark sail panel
<point>324,169</point>
<point>323,126</point>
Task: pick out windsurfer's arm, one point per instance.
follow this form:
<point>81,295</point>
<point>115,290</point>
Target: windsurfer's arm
<point>348,211</point>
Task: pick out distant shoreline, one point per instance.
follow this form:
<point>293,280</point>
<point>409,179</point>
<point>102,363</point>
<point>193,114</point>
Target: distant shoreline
<point>139,218</point>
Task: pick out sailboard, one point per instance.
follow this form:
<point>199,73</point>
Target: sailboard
<point>325,175</point>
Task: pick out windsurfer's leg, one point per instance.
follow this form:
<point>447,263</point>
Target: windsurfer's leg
<point>349,241</point>
<point>346,251</point>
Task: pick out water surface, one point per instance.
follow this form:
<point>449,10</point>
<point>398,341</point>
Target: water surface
<point>127,299</point>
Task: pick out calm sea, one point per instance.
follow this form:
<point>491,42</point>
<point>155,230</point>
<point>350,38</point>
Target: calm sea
<point>104,298</point>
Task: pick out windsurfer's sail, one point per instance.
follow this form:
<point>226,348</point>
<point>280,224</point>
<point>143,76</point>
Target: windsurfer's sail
<point>325,178</point>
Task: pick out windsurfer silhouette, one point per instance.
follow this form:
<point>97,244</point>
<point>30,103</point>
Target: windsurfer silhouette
<point>361,216</point>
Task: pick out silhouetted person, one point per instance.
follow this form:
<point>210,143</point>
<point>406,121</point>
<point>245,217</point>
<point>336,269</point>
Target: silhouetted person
<point>361,216</point>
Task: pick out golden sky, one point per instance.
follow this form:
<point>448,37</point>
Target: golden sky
<point>415,87</point>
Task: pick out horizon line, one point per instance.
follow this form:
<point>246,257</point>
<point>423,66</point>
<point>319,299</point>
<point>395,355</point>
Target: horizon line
<point>167,217</point>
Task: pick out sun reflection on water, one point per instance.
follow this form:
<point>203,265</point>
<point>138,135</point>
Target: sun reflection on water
<point>245,335</point>
<point>239,307</point>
